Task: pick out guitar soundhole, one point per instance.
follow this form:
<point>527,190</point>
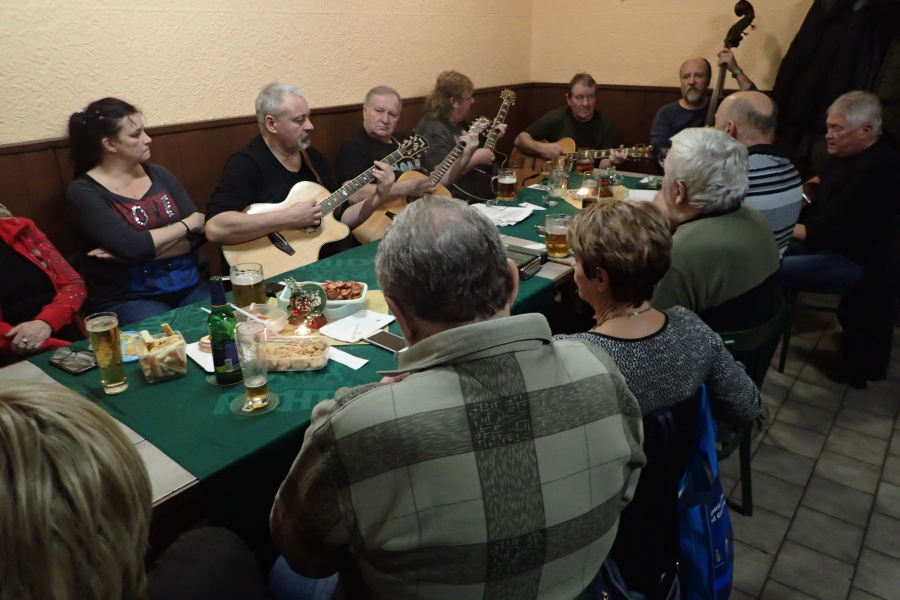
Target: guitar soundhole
<point>311,229</point>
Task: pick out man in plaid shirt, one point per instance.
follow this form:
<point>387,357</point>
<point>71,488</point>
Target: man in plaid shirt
<point>492,463</point>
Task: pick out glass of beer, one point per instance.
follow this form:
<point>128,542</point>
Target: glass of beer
<point>559,183</point>
<point>506,184</point>
<point>555,229</point>
<point>250,336</point>
<point>248,284</point>
<point>585,161</point>
<point>103,331</point>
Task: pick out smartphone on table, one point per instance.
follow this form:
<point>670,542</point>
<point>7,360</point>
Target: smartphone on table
<point>388,341</point>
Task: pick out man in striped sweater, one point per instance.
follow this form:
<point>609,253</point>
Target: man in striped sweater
<point>775,186</point>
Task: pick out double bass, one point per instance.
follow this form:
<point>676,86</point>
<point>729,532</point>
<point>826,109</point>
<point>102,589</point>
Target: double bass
<point>744,10</point>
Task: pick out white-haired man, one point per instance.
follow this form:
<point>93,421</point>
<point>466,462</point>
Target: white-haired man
<point>724,258</point>
<point>266,169</point>
<point>857,200</point>
<point>496,469</point>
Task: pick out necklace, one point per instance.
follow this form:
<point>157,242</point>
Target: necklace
<point>626,315</point>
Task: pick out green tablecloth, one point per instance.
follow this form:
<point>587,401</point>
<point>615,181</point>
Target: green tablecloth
<point>189,419</point>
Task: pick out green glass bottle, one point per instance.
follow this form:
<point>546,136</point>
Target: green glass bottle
<point>221,324</point>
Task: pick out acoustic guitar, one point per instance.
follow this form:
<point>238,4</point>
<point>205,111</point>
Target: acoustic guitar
<point>745,11</point>
<point>295,247</point>
<point>531,167</point>
<point>476,191</point>
<point>375,226</point>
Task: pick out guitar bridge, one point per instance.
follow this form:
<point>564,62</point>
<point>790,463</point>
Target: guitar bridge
<point>282,244</point>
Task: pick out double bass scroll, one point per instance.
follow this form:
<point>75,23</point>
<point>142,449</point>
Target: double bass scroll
<point>744,10</point>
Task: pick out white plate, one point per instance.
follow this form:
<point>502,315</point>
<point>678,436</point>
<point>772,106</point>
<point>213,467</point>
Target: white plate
<point>357,326</point>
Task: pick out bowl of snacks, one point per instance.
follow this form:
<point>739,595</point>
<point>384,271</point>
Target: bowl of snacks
<point>162,356</point>
<point>273,316</point>
<point>344,298</point>
<point>301,353</point>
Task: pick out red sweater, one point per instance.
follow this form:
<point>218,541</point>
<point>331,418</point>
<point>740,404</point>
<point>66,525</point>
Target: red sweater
<point>23,236</point>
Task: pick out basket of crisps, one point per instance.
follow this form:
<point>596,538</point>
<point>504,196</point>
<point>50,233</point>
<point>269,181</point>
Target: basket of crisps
<point>162,356</point>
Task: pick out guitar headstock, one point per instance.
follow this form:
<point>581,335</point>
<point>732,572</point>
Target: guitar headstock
<point>508,96</point>
<point>413,146</point>
<point>480,124</point>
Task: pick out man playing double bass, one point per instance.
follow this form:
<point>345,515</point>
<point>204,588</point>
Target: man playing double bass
<point>691,109</point>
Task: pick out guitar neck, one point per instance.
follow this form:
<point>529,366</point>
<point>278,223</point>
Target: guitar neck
<point>441,169</point>
<point>494,134</point>
<point>329,204</point>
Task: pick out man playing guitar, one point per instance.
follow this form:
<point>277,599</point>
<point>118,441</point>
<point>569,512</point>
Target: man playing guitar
<point>375,140</point>
<point>266,169</point>
<point>443,125</point>
<point>580,120</point>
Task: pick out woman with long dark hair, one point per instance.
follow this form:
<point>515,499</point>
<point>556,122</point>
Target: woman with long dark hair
<point>139,227</point>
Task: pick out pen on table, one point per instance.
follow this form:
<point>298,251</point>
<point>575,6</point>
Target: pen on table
<point>355,329</point>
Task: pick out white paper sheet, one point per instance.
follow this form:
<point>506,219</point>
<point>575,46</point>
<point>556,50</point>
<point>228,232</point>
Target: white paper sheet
<point>357,326</point>
<point>504,215</point>
<point>345,358</point>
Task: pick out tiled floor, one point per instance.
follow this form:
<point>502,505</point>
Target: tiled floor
<point>826,481</point>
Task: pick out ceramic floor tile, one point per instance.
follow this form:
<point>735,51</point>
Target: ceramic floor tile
<point>865,422</point>
<point>805,416</point>
<point>816,395</point>
<point>865,399</point>
<point>783,464</point>
<point>856,445</point>
<point>777,591</point>
<point>812,572</point>
<point>894,448</point>
<point>785,380</point>
<point>883,535</point>
<point>838,539</point>
<point>858,594</point>
<point>764,530</point>
<point>739,595</point>
<point>773,494</point>
<point>810,373</point>
<point>774,394</point>
<point>848,471</point>
<point>887,501</point>
<point>838,501</point>
<point>892,469</point>
<point>751,568</point>
<point>878,574</point>
<point>795,439</point>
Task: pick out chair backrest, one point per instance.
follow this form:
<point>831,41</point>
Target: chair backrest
<point>647,542</point>
<point>755,347</point>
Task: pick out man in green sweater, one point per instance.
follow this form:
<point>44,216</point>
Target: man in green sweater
<point>724,257</point>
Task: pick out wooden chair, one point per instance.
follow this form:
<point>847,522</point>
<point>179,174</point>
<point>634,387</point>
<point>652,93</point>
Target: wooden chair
<point>755,348</point>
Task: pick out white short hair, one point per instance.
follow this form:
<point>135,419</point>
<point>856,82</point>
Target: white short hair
<point>713,167</point>
<point>859,108</point>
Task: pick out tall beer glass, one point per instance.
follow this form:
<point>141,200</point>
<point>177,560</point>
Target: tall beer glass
<point>555,229</point>
<point>103,331</point>
<point>248,284</point>
<point>251,342</point>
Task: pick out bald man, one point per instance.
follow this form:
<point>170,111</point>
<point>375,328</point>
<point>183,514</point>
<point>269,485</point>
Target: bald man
<point>690,110</point>
<point>775,186</point>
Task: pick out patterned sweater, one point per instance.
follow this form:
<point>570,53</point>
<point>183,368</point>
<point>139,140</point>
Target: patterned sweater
<point>668,366</point>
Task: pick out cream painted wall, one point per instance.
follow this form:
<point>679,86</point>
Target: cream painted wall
<point>643,42</point>
<point>183,61</point>
<point>186,61</point>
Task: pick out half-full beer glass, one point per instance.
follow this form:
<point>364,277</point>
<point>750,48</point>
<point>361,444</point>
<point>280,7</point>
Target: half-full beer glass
<point>103,331</point>
<point>555,229</point>
<point>248,284</point>
<point>506,184</point>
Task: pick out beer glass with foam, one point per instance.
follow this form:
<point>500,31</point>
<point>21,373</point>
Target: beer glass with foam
<point>103,331</point>
<point>506,184</point>
<point>585,161</point>
<point>248,284</point>
<point>555,229</point>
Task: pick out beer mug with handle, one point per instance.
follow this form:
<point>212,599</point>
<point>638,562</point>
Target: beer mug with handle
<point>505,187</point>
